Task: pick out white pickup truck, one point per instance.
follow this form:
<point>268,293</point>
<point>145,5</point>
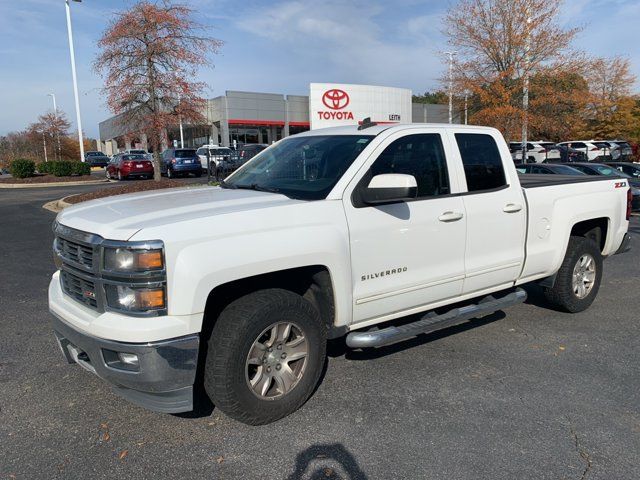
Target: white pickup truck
<point>325,234</point>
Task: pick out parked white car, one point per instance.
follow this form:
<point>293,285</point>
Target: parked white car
<point>537,152</point>
<point>219,157</point>
<point>594,151</point>
<point>328,233</point>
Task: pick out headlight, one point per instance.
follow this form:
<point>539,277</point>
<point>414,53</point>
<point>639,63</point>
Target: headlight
<point>132,260</point>
<point>135,299</point>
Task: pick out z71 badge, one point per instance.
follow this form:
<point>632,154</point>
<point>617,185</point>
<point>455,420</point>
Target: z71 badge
<point>621,184</point>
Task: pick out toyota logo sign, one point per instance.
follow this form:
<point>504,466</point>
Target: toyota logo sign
<point>335,99</point>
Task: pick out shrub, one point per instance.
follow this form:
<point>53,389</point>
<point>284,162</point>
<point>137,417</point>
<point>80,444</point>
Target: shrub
<point>80,168</point>
<point>44,167</point>
<point>64,168</point>
<point>22,168</point>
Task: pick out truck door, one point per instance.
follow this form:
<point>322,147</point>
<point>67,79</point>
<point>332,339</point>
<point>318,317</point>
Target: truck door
<point>495,209</point>
<point>406,255</point>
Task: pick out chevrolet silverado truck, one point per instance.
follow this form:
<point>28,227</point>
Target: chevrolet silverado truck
<point>234,291</point>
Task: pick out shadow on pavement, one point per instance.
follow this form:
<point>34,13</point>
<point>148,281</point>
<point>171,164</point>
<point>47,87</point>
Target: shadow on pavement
<point>329,461</point>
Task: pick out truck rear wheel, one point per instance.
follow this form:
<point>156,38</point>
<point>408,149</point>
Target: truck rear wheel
<point>578,280</point>
<point>265,356</point>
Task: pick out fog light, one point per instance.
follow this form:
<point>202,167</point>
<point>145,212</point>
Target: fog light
<point>129,359</point>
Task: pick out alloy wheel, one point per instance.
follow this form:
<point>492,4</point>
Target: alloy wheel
<point>276,361</point>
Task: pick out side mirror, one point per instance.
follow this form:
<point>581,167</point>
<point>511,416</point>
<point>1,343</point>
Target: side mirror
<point>390,187</point>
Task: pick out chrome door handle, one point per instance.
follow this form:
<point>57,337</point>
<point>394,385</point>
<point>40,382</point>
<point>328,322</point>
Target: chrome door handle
<point>450,216</point>
<point>512,208</point>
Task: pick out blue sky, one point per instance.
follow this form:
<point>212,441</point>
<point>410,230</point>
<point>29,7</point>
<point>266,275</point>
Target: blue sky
<point>275,46</point>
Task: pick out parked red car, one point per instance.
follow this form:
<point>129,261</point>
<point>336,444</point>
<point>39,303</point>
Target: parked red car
<point>123,166</point>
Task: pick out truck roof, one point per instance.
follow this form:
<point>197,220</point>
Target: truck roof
<point>376,129</point>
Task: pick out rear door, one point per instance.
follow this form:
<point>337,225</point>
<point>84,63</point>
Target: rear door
<point>495,210</point>
<point>406,255</point>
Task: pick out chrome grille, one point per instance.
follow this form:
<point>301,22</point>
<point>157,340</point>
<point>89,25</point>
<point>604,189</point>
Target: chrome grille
<point>75,252</point>
<point>82,290</point>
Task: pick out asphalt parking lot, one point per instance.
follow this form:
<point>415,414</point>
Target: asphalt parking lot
<point>528,393</point>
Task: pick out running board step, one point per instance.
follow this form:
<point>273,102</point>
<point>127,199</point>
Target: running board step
<point>432,322</point>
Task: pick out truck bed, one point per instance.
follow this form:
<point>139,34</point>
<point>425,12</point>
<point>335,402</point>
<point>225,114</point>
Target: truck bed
<point>535,180</point>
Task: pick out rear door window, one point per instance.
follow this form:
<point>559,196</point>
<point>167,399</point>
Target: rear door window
<point>482,162</point>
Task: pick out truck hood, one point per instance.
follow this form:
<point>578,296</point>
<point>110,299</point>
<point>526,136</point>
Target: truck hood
<point>121,216</point>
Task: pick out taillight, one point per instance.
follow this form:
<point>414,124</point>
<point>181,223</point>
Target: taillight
<point>173,160</point>
<point>629,202</point>
<point>544,150</point>
<point>595,148</point>
<point>126,164</point>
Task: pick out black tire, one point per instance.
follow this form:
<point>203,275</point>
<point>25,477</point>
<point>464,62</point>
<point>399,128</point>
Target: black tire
<point>239,325</point>
<point>562,293</point>
<point>198,174</point>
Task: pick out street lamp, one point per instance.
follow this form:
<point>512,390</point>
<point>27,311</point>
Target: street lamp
<point>525,86</point>
<point>55,115</point>
<point>451,54</point>
<point>466,96</point>
<point>75,79</point>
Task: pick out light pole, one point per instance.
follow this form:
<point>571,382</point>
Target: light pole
<point>180,121</point>
<point>75,79</point>
<point>451,54</point>
<point>525,87</point>
<point>466,96</point>
<point>55,115</point>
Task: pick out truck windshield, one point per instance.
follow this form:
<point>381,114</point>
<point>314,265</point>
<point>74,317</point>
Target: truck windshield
<point>306,167</point>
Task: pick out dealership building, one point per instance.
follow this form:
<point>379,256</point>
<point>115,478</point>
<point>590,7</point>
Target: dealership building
<point>249,117</point>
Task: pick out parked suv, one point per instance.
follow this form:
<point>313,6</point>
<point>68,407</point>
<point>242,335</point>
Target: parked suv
<point>618,150</point>
<point>96,159</point>
<point>593,151</point>
<point>250,150</point>
<point>537,152</point>
<point>124,166</point>
<point>221,158</point>
<point>180,161</point>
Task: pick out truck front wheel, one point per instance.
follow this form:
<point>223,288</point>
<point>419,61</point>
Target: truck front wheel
<point>265,356</point>
<point>578,280</point>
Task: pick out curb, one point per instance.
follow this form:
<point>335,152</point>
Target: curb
<point>52,184</point>
<point>56,206</point>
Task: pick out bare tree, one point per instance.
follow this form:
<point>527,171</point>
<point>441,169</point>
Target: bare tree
<point>506,37</point>
<point>150,55</point>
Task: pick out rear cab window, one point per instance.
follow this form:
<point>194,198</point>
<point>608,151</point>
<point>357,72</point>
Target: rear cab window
<point>482,162</point>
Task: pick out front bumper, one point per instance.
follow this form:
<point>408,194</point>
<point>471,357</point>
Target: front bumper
<point>163,380</point>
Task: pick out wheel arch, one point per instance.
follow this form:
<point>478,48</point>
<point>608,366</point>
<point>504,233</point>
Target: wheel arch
<point>312,282</point>
<point>595,229</point>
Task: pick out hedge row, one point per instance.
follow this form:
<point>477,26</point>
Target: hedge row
<point>22,168</point>
<point>65,168</point>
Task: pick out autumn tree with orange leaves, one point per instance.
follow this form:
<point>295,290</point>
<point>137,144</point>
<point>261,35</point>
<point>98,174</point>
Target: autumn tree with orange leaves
<point>498,43</point>
<point>150,55</point>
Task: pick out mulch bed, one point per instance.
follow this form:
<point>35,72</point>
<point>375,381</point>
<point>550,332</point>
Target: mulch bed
<point>129,187</point>
<point>49,179</point>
